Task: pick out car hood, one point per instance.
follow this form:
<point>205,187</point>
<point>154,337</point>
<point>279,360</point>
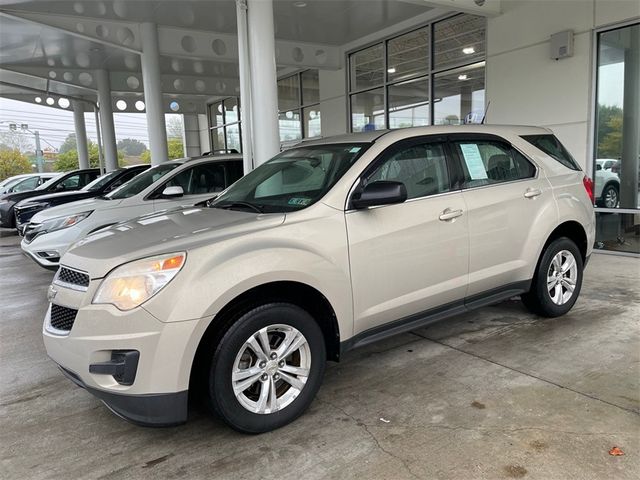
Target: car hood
<point>72,208</point>
<point>164,232</point>
<point>57,198</point>
<point>15,197</point>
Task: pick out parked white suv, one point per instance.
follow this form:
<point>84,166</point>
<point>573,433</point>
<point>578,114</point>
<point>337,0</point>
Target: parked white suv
<point>182,182</point>
<point>330,245</point>
<point>607,184</point>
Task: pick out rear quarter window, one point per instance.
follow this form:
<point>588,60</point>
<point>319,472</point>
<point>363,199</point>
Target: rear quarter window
<point>550,145</point>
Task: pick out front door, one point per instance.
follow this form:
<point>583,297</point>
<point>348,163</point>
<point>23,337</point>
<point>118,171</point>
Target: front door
<point>410,257</point>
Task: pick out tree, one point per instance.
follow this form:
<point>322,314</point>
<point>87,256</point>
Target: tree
<point>175,149</point>
<point>16,140</point>
<point>69,144</point>
<point>132,147</point>
<point>13,162</point>
<point>609,132</point>
<point>175,127</point>
<point>69,160</point>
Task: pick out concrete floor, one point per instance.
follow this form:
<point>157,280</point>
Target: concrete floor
<point>497,393</point>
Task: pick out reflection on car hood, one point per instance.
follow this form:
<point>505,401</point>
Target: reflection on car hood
<point>164,232</point>
<point>73,208</point>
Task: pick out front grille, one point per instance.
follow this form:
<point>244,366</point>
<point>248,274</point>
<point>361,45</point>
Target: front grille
<point>73,277</point>
<point>62,318</point>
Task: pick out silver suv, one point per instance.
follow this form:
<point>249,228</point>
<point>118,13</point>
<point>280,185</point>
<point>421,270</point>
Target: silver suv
<point>330,245</point>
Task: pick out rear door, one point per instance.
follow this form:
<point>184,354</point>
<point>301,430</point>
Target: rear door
<point>199,182</point>
<point>410,257</point>
<point>510,206</point>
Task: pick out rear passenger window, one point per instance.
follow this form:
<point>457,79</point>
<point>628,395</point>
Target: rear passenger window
<point>550,145</point>
<point>422,169</point>
<point>487,162</point>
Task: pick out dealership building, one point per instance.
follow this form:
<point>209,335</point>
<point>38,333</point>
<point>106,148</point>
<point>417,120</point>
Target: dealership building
<point>257,76</point>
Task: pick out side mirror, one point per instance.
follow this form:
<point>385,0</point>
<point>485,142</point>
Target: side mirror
<point>598,166</point>
<point>60,187</point>
<point>379,193</point>
<point>172,192</point>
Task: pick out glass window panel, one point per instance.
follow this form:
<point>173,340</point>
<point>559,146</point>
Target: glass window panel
<point>459,95</point>
<point>233,137</point>
<point>290,125</point>
<point>288,93</point>
<point>216,114</point>
<point>231,110</point>
<point>367,111</point>
<point>217,138</point>
<point>617,166</point>
<point>618,231</point>
<point>409,103</point>
<point>367,68</point>
<point>422,169</point>
<point>312,123</point>
<point>408,55</point>
<point>310,87</point>
<point>460,39</point>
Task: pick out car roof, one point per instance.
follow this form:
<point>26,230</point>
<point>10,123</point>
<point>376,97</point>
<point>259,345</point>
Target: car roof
<point>209,158</point>
<point>370,137</point>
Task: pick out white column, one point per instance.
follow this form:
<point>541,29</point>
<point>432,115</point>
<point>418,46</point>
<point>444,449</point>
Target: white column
<point>150,62</point>
<point>81,134</point>
<point>264,90</point>
<point>191,135</point>
<point>244,69</point>
<point>106,121</point>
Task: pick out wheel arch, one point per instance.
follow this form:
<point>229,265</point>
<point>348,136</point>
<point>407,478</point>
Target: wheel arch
<point>297,293</point>
<point>572,230</point>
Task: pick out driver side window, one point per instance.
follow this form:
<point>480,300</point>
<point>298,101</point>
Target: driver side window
<point>422,169</point>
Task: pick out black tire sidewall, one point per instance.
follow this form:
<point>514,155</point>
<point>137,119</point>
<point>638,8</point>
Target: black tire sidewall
<point>545,305</point>
<point>220,388</point>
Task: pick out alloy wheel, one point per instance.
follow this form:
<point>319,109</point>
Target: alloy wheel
<point>271,369</point>
<point>562,277</point>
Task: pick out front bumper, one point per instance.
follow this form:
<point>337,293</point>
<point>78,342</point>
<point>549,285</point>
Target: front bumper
<point>157,393</point>
<point>46,249</point>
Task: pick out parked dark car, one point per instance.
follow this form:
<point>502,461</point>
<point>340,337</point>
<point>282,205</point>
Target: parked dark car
<point>100,186</point>
<point>64,182</point>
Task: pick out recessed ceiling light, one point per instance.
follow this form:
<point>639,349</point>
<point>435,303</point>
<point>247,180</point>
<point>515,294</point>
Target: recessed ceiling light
<point>468,50</point>
<point>300,4</point>
<point>50,101</point>
<point>462,77</point>
<point>38,100</point>
<point>391,70</point>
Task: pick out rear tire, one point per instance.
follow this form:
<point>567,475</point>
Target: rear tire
<point>257,388</point>
<point>557,281</point>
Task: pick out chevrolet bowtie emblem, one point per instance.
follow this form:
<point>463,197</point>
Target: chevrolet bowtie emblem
<point>51,294</point>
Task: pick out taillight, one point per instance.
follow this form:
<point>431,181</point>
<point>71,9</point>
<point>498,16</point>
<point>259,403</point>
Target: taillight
<point>588,186</point>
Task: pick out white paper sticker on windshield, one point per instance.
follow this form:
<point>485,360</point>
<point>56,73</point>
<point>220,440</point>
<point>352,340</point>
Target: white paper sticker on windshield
<point>473,159</point>
<point>355,149</point>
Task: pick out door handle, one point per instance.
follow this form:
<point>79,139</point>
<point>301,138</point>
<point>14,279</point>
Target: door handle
<point>449,214</point>
<point>532,193</point>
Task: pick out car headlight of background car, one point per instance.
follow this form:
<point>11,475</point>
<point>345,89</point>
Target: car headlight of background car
<point>58,223</point>
<point>132,284</point>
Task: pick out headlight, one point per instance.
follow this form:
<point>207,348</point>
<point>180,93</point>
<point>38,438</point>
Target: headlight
<point>59,223</point>
<point>132,284</point>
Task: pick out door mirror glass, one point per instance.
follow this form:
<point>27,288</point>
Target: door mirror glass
<point>379,193</point>
<point>598,166</point>
<point>172,192</point>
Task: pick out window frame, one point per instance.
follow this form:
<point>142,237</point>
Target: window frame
<point>393,149</point>
<point>430,74</point>
<point>300,108</point>
<point>213,129</point>
<point>479,137</point>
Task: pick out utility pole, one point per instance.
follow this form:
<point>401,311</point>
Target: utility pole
<point>39,158</point>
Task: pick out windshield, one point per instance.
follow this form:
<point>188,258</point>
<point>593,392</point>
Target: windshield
<point>100,182</point>
<point>142,181</point>
<point>292,180</point>
<point>50,182</point>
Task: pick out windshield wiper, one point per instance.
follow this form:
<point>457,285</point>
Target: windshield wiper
<point>236,204</point>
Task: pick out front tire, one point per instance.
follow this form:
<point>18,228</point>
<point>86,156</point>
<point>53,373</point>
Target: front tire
<point>557,280</point>
<point>610,196</point>
<point>267,368</point>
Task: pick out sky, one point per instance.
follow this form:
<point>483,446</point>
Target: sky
<point>55,124</point>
